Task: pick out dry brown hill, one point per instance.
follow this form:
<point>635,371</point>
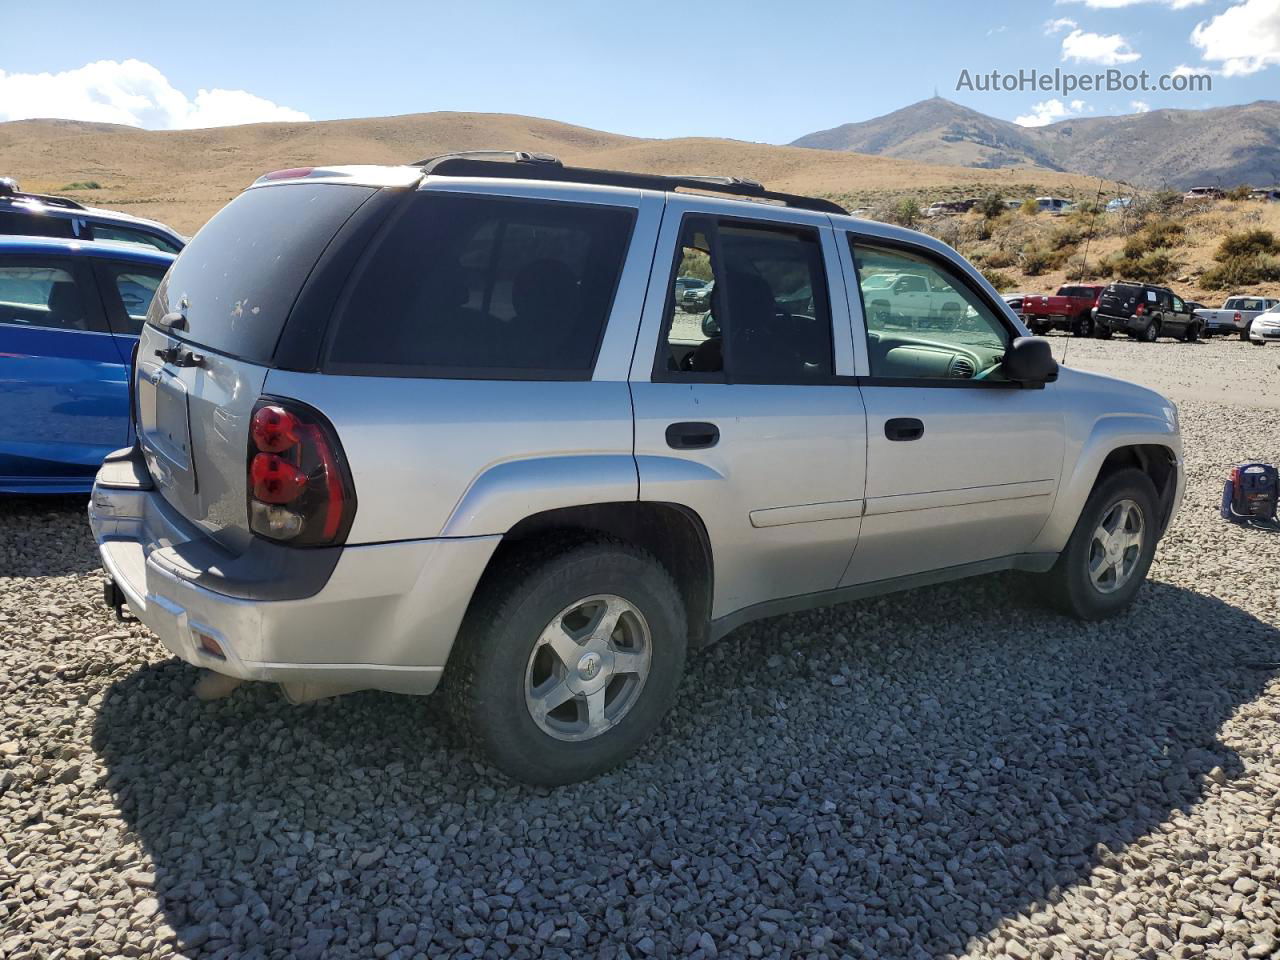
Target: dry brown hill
<point>182,177</point>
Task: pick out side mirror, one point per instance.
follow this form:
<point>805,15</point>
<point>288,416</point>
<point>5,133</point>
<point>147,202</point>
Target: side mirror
<point>710,326</point>
<point>1029,362</point>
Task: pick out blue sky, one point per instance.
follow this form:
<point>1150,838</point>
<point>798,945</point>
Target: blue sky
<point>768,72</point>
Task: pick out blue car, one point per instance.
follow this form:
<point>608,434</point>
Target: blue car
<point>70,314</point>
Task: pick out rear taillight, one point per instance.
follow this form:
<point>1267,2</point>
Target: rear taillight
<point>299,487</point>
<point>1237,318</point>
<point>1140,309</point>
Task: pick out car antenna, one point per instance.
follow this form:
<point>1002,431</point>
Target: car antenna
<point>1084,259</point>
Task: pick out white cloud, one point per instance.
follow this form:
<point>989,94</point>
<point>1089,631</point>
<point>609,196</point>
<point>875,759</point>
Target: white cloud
<point>1057,26</point>
<point>1047,111</point>
<point>130,92</point>
<point>1182,70</point>
<point>994,30</point>
<point>1116,4</point>
<point>1140,106</point>
<point>1244,38</point>
<point>1107,49</point>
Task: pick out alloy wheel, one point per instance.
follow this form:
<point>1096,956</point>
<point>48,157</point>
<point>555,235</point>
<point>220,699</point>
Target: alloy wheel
<point>588,667</point>
<point>1116,546</point>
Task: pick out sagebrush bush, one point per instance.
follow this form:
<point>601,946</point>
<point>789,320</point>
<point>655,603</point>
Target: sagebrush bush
<point>1037,260</point>
<point>1246,243</point>
<point>1242,271</point>
<point>1001,281</point>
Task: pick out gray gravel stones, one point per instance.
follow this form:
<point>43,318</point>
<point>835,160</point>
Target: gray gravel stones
<point>948,772</point>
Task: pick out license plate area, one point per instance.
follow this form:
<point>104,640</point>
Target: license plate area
<point>164,427</point>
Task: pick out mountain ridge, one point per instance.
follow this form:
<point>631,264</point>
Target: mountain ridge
<point>1168,147</point>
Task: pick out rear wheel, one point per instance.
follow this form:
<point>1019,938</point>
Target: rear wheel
<point>569,658</point>
<point>1152,333</point>
<point>1110,550</point>
<point>1244,334</point>
<point>1101,332</point>
<point>1082,326</point>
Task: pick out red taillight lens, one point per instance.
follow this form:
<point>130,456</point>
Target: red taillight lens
<point>273,429</point>
<point>1237,318</point>
<point>299,488</point>
<point>275,480</point>
<point>292,173</point>
<point>1140,309</point>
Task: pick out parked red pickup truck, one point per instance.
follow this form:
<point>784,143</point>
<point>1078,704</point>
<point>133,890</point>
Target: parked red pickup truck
<point>1071,308</point>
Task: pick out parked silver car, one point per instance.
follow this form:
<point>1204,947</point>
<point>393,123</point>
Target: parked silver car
<point>441,425</point>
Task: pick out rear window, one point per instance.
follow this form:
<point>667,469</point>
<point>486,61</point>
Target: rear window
<point>484,287</point>
<point>238,278</point>
<point>16,223</point>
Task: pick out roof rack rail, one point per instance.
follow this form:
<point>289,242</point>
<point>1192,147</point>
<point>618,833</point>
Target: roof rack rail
<point>9,190</point>
<point>521,165</point>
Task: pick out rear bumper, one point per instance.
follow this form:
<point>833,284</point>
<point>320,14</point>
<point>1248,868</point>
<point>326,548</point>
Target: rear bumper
<point>385,617</point>
<point>1122,324</point>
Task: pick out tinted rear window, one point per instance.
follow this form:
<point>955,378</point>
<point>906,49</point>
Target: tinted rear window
<point>241,273</point>
<point>35,225</point>
<point>484,287</point>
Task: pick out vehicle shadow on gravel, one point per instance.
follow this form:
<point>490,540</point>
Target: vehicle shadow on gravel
<point>36,541</point>
<point>889,779</point>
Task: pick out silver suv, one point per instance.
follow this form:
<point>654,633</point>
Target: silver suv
<point>443,426</point>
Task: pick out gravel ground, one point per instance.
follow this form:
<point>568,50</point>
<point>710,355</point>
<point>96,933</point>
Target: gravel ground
<point>951,772</point>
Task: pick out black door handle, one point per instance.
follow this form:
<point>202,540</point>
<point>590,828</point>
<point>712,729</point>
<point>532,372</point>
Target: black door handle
<point>904,428</point>
<point>692,435</point>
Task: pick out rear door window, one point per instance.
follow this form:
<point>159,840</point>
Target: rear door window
<point>766,320</point>
<point>236,281</point>
<point>466,286</point>
<point>127,290</point>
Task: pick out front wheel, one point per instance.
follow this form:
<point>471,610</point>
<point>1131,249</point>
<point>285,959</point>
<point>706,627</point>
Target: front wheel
<point>1110,550</point>
<point>1193,333</point>
<point>1258,343</point>
<point>568,660</point>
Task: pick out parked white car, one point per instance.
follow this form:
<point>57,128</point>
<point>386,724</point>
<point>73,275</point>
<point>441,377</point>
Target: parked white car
<point>1265,327</point>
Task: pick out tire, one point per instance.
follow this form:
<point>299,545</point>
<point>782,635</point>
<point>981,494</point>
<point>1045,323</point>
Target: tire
<point>1071,587</point>
<point>1244,334</point>
<point>1193,333</point>
<point>1152,333</point>
<point>1102,333</point>
<point>1082,326</point>
<point>1258,343</point>
<point>499,661</point>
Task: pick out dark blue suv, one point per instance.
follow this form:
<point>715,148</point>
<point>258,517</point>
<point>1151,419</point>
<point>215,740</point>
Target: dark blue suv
<point>70,313</point>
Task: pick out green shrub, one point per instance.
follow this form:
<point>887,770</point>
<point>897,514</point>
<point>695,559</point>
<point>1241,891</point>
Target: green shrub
<point>906,212</point>
<point>1154,266</point>
<point>1239,193</point>
<point>1246,243</point>
<point>1036,260</point>
<point>999,259</point>
<point>1001,281</point>
<point>82,185</point>
<point>1164,233</point>
<point>1244,271</point>
<point>992,206</point>
<point>1029,207</point>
